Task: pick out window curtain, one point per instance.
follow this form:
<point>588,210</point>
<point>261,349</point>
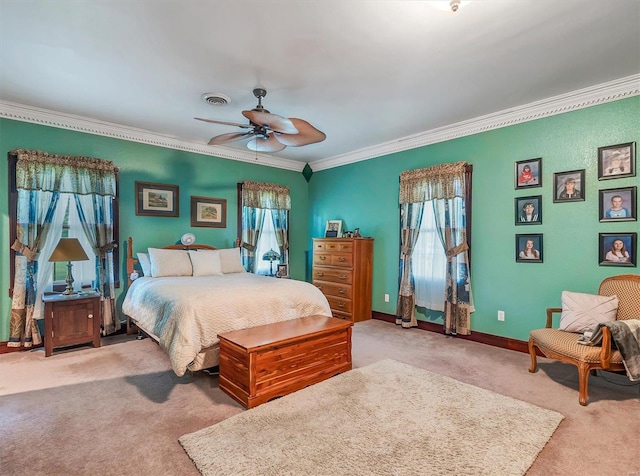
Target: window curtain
<point>36,211</point>
<point>95,213</point>
<point>256,197</point>
<point>447,186</point>
<point>411,216</point>
<point>40,179</point>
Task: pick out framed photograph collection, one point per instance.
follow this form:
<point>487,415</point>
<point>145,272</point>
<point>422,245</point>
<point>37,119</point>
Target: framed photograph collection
<point>614,204</point>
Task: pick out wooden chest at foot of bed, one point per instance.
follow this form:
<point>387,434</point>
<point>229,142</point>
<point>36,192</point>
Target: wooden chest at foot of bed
<point>265,362</point>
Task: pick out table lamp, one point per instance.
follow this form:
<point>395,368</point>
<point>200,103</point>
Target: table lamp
<point>270,256</point>
<point>68,249</point>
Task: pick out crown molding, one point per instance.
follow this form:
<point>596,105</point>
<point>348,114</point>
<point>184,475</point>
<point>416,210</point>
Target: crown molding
<point>582,98</point>
<point>46,117</point>
<point>587,97</point>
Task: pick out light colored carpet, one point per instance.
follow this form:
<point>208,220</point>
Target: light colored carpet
<point>387,418</point>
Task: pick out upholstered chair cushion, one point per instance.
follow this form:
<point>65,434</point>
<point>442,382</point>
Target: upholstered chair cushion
<point>566,343</point>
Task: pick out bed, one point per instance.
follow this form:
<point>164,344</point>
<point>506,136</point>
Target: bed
<point>183,304</point>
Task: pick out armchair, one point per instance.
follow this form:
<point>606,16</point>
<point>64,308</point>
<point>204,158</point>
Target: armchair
<point>563,345</point>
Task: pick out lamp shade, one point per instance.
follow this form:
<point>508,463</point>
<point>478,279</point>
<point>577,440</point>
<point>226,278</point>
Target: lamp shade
<point>68,249</point>
<point>270,256</point>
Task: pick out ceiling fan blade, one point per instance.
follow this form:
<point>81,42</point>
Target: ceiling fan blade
<point>233,136</point>
<point>213,121</point>
<point>307,134</point>
<point>272,121</point>
<point>258,144</point>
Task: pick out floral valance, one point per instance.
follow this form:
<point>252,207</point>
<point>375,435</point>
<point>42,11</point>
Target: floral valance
<point>265,195</point>
<point>442,181</point>
<point>37,170</point>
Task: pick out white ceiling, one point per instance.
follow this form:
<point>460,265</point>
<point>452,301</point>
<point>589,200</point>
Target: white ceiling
<point>365,72</point>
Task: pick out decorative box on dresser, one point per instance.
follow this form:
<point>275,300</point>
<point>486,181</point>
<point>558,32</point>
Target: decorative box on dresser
<point>342,270</point>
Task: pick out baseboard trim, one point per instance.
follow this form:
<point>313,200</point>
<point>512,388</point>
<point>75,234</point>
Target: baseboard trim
<point>5,349</point>
<point>481,337</point>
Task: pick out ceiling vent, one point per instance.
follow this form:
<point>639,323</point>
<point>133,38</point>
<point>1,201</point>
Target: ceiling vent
<point>216,99</point>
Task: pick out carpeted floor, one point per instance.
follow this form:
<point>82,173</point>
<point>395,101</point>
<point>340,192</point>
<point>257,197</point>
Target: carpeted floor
<point>120,410</point>
<point>387,418</point>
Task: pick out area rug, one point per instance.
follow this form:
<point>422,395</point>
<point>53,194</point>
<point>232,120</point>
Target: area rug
<point>388,418</point>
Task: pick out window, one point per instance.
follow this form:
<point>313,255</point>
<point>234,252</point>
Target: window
<point>263,225</point>
<point>429,264</point>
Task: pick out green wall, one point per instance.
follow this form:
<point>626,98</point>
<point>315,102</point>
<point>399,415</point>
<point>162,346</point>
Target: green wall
<point>365,195</point>
<point>195,174</point>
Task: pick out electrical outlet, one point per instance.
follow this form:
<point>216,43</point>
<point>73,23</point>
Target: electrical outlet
<point>501,315</point>
<point>386,298</point>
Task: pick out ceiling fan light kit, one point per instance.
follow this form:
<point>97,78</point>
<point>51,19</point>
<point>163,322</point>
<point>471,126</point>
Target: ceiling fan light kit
<point>268,132</point>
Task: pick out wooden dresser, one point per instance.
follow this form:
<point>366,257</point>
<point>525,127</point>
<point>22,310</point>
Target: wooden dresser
<point>342,270</point>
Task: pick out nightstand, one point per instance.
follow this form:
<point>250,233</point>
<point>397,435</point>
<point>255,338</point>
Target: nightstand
<point>71,320</point>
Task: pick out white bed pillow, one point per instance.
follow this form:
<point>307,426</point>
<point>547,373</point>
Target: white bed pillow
<point>145,264</point>
<point>205,262</point>
<point>582,312</point>
<point>231,261</point>
<point>169,263</point>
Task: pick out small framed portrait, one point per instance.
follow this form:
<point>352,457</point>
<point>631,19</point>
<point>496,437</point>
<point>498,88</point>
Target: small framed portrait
<point>618,249</point>
<point>617,161</point>
<point>618,204</point>
<point>529,248</point>
<point>568,186</point>
<point>528,173</point>
<point>208,212</point>
<point>333,229</point>
<point>528,210</point>
<point>157,199</point>
<point>283,271</point>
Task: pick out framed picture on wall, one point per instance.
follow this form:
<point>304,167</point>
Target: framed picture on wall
<point>618,249</point>
<point>529,248</point>
<point>208,212</point>
<point>568,186</point>
<point>157,199</point>
<point>528,173</point>
<point>618,204</point>
<point>617,161</point>
<point>333,229</point>
<point>528,210</point>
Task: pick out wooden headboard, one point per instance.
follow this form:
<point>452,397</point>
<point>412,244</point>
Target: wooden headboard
<point>132,262</point>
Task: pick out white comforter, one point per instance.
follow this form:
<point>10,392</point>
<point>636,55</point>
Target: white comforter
<point>188,313</point>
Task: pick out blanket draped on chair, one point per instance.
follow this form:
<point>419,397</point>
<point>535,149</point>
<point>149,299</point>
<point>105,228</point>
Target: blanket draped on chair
<point>626,337</point>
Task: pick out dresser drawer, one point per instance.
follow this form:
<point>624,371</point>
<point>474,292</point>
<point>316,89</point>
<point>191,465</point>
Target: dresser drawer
<point>328,245</point>
<point>332,274</point>
<point>339,304</point>
<point>341,259</point>
<point>333,289</point>
<point>342,315</point>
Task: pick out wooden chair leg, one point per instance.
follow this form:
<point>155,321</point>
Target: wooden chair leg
<point>532,353</point>
<point>583,378</point>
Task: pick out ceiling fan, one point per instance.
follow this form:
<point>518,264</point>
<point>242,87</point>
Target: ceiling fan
<point>268,132</point>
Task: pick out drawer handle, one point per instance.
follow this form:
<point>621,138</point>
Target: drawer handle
<point>90,316</point>
<point>341,305</point>
<point>322,258</point>
<point>343,276</point>
<point>319,273</point>
<point>340,291</point>
<point>319,286</point>
<point>342,260</point>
